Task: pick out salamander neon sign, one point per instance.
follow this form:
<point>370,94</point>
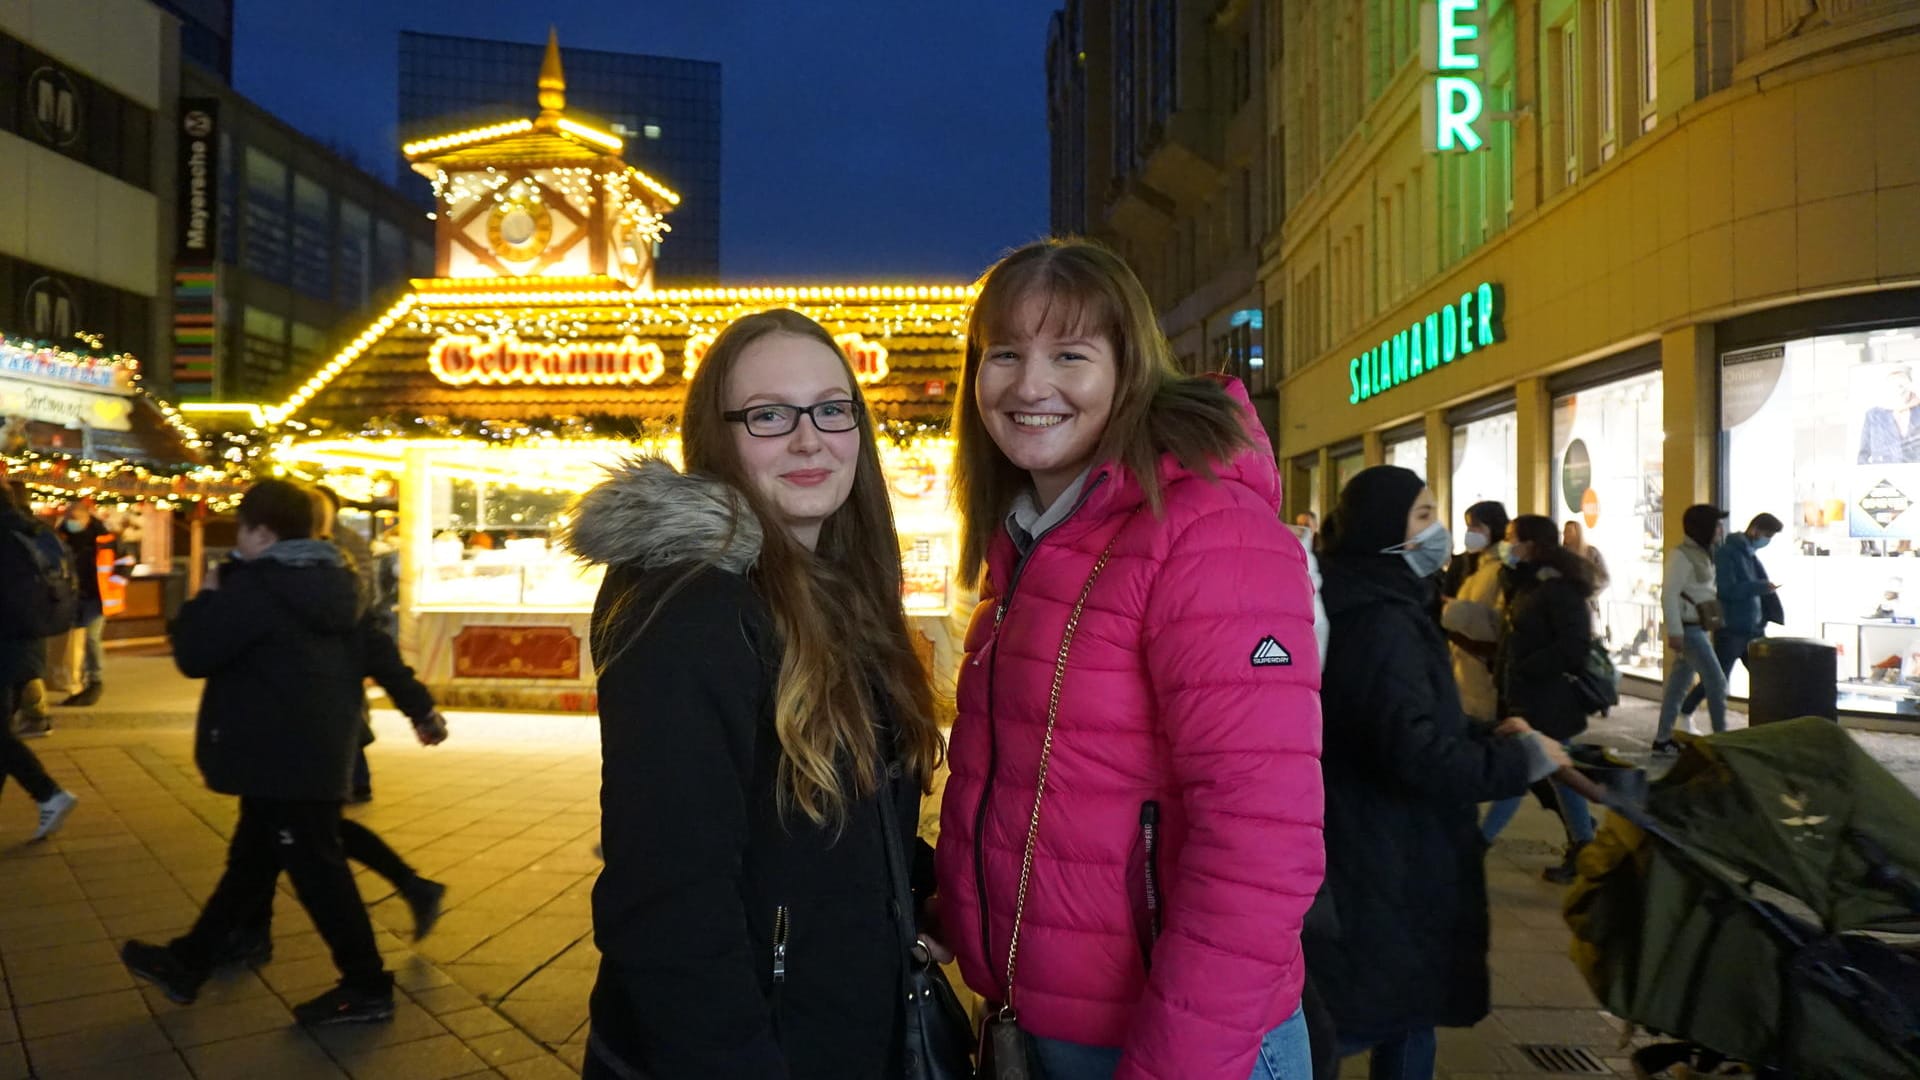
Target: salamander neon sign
<point>1472,322</point>
<point>1453,106</point>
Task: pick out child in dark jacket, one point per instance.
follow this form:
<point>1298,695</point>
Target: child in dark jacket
<point>277,637</point>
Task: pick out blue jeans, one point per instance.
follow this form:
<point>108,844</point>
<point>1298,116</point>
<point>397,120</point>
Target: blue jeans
<point>1405,1055</point>
<point>1696,659</point>
<point>1729,648</point>
<point>1575,814</point>
<point>1284,1055</point>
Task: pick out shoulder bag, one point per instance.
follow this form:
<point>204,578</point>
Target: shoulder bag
<point>1006,1051</point>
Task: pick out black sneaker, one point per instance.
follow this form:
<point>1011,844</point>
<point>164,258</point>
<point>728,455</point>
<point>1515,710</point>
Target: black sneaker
<point>90,695</point>
<point>342,1005</point>
<point>158,965</point>
<point>1665,748</point>
<point>423,898</point>
<point>1568,870</point>
<point>250,948</point>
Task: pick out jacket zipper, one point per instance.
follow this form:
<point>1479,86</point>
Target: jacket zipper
<point>993,738</point>
<point>780,927</point>
<point>1150,836</point>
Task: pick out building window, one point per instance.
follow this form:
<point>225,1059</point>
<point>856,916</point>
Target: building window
<point>1606,62</point>
<point>311,252</point>
<point>1566,80</point>
<point>353,268</point>
<point>309,347</point>
<point>1163,64</point>
<point>1649,67</point>
<point>264,349</point>
<point>266,217</point>
<point>1124,149</point>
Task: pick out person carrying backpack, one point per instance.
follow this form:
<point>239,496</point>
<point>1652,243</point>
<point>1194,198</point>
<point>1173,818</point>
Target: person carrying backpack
<point>36,600</point>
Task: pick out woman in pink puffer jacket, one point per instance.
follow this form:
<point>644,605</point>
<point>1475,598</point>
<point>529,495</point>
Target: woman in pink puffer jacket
<point>1178,843</point>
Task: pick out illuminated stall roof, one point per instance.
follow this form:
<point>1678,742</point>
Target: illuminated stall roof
<point>540,349</point>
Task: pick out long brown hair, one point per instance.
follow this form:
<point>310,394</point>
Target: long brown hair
<point>1156,409</point>
<point>842,629</point>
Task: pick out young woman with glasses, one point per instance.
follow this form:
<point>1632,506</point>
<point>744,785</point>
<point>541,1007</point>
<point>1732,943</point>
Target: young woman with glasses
<point>762,713</point>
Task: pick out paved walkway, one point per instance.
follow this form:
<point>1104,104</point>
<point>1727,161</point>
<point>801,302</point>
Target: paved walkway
<point>506,814</point>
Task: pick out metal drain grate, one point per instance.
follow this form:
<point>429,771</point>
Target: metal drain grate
<point>1548,1057</point>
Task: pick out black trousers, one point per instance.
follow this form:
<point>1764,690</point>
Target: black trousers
<point>303,839</point>
<point>16,760</point>
<point>361,845</point>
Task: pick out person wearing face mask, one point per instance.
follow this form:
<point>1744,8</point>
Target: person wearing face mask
<point>1748,600</point>
<point>1471,614</point>
<point>1690,603</point>
<point>1405,772</point>
<point>83,532</point>
<point>1549,629</point>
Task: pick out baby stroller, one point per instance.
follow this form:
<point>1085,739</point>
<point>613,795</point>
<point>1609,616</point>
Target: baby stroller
<point>1762,908</point>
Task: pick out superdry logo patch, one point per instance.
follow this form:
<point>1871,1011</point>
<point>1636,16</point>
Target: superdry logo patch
<point>1269,654</point>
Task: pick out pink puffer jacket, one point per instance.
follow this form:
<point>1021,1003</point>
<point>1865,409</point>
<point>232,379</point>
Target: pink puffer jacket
<point>1174,696</point>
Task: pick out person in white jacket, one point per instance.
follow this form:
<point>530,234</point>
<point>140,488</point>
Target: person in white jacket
<point>1690,605</point>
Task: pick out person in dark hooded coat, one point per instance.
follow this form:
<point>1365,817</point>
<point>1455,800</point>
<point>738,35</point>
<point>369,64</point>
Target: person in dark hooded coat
<point>1404,773</point>
<point>276,635</point>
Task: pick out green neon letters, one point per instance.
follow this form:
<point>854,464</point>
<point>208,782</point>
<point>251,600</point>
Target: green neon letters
<point>1453,103</point>
<point>1475,321</point>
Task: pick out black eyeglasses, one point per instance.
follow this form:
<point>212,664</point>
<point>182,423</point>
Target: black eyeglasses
<point>774,420</point>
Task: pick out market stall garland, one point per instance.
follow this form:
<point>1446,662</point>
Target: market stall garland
<point>173,484</point>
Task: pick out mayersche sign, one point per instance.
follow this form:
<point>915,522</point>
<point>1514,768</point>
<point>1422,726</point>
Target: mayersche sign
<point>1443,337</point>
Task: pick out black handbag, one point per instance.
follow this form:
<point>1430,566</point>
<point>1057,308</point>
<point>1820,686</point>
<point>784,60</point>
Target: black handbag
<point>1007,1051</point>
<point>938,1037</point>
<point>1596,683</point>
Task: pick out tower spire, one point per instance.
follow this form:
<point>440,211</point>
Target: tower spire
<point>553,80</point>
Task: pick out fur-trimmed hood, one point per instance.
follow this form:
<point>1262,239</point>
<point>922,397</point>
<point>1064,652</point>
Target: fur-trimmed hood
<point>648,514</point>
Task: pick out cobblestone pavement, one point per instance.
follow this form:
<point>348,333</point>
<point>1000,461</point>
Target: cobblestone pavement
<point>506,814</point>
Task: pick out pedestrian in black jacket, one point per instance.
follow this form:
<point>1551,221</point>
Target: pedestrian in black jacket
<point>276,636</point>
<point>83,533</point>
<point>252,941</point>
<point>761,713</point>
<point>1549,631</point>
<point>27,550</point>
<point>1404,772</point>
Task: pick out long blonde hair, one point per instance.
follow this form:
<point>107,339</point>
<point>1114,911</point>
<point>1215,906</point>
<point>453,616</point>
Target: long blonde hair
<point>1156,409</point>
<point>843,633</point>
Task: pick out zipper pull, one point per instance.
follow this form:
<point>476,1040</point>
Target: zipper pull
<point>999,613</point>
<point>780,944</point>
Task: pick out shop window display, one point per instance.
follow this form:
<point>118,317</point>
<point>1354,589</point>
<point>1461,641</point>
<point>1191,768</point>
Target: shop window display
<point>1824,433</point>
<point>1607,475</point>
<point>1486,464</point>
<point>1409,454</point>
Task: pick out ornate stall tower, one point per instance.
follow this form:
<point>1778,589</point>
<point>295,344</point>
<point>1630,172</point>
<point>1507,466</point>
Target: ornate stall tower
<point>543,197</point>
<point>472,411</point>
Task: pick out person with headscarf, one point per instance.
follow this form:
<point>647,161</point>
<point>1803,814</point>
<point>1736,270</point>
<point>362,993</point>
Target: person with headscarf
<point>1473,614</point>
<point>1690,604</point>
<point>1405,769</point>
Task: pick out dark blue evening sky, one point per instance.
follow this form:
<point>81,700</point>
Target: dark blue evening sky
<point>862,139</point>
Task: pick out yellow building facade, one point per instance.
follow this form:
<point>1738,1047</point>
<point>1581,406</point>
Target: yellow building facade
<point>1680,264</point>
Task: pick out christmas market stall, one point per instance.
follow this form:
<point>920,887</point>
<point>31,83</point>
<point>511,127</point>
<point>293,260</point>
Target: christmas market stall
<point>78,427</point>
<point>483,401</point>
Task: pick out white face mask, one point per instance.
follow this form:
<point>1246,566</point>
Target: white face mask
<point>1474,540</point>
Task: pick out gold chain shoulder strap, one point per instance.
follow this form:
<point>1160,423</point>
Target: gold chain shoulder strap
<point>1046,754</point>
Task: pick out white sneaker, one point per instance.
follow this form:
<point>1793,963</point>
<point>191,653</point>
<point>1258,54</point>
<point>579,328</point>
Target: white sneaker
<point>53,813</point>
